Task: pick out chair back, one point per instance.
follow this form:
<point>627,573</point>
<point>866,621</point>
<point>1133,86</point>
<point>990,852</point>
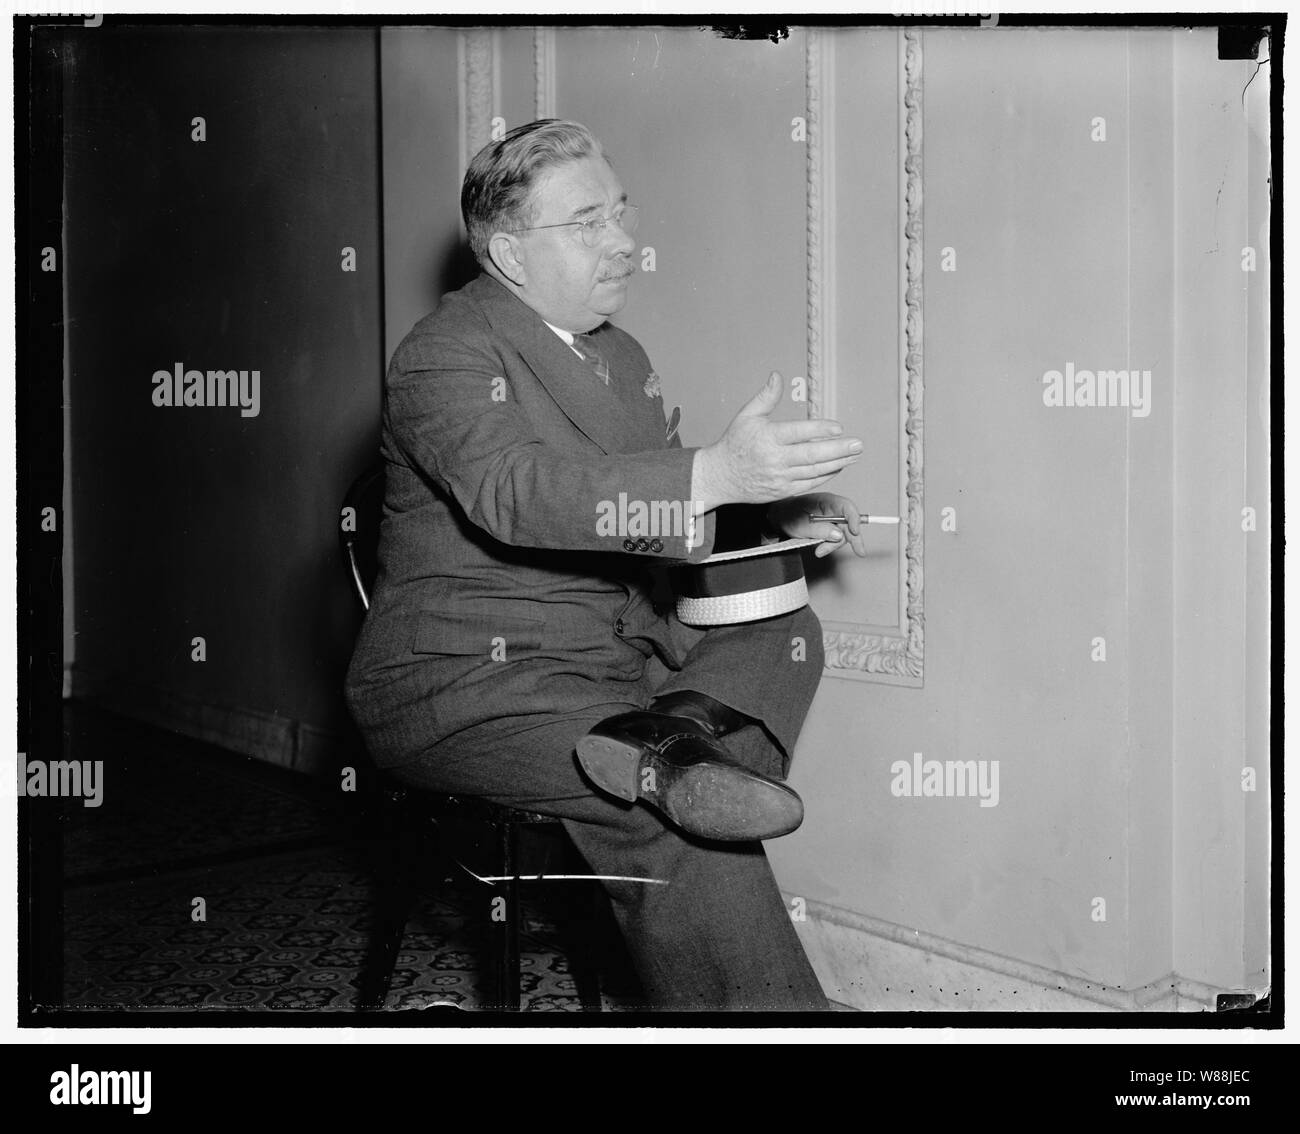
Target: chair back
<point>359,520</point>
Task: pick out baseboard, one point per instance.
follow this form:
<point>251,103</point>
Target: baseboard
<point>876,966</point>
<point>279,740</point>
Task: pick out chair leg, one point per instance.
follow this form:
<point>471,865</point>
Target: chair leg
<point>514,918</point>
<point>397,893</point>
<point>503,925</point>
<point>587,975</point>
<point>581,929</point>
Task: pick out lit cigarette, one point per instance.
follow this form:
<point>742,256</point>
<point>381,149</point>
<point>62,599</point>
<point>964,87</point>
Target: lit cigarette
<point>864,518</point>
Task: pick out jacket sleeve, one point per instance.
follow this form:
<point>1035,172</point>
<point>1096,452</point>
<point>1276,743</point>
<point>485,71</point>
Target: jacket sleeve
<point>451,413</point>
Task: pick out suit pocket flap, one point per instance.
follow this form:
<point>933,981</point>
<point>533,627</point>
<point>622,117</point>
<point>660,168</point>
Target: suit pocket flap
<point>475,633</point>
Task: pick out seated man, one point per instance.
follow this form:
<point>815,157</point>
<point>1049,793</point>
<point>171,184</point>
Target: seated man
<point>515,647</point>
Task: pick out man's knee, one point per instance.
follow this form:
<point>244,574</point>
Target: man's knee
<point>808,627</point>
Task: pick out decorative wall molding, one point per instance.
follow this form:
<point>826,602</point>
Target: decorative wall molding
<point>477,56</point>
<point>877,966</point>
<point>914,402</point>
<point>820,124</point>
<point>544,72</point>
<point>853,650</point>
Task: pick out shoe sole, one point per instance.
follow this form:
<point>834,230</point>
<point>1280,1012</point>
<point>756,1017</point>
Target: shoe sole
<point>714,801</point>
<point>612,765</point>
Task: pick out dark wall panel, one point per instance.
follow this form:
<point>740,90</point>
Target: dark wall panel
<point>223,254</point>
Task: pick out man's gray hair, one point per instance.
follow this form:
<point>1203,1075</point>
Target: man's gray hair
<point>496,196</point>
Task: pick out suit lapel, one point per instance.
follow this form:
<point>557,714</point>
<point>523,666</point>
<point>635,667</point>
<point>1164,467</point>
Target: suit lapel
<point>640,406</point>
<point>593,407</point>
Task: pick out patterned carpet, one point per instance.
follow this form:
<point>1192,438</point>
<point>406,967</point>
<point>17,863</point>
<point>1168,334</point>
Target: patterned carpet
<point>286,932</point>
<point>287,903</point>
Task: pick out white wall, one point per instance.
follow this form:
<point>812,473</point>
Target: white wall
<point>1119,780</point>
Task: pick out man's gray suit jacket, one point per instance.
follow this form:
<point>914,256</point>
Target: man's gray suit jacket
<point>500,590</point>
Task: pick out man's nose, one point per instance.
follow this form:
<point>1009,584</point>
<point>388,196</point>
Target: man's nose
<point>621,243</point>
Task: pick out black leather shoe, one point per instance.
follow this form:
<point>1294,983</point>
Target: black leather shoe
<point>675,765</point>
<point>718,718</point>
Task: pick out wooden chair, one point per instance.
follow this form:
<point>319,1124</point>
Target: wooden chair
<point>408,818</point>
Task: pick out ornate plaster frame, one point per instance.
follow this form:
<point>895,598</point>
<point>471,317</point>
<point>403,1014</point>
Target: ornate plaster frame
<point>477,53</point>
<point>866,653</point>
<point>544,72</point>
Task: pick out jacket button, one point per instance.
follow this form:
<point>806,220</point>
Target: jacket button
<point>643,544</point>
<point>629,545</point>
<point>618,627</point>
<point>656,545</point>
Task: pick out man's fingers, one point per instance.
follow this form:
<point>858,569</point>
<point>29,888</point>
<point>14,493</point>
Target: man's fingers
<point>828,532</point>
<point>809,429</point>
<point>811,452</point>
<point>849,511</point>
<point>853,521</point>
<point>821,471</point>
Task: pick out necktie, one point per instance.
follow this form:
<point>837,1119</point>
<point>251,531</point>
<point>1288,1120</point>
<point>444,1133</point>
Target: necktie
<point>586,349</point>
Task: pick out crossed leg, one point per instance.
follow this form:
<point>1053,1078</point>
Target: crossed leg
<point>710,929</point>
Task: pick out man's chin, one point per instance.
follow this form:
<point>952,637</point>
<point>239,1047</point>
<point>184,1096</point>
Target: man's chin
<point>616,301</point>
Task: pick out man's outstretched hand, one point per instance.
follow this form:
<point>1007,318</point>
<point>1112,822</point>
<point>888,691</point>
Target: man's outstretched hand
<point>758,461</point>
<point>792,518</point>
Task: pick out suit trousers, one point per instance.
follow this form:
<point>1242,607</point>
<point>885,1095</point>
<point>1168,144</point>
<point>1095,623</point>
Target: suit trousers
<point>711,931</point>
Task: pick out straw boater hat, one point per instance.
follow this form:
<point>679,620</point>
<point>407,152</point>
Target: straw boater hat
<point>744,585</point>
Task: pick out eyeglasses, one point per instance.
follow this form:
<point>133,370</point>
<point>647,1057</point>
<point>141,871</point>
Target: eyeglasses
<point>593,231</point>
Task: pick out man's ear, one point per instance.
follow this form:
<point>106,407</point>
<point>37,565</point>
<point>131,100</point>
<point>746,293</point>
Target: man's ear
<point>505,252</point>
